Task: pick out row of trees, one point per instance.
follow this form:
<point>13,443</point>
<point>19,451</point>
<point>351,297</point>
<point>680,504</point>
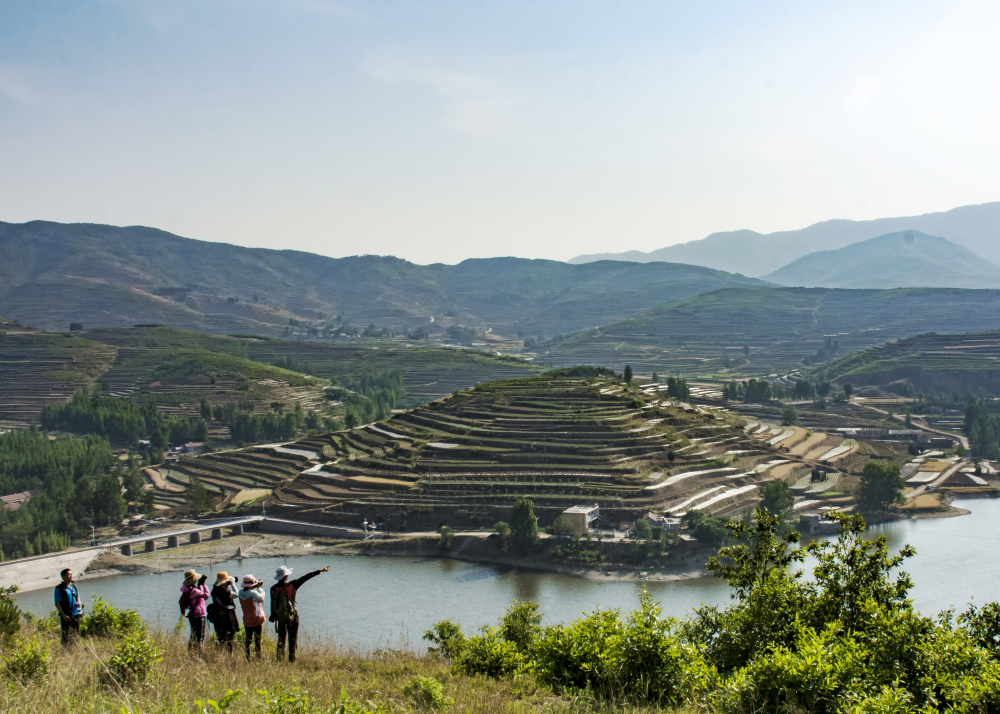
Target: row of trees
<point>982,427</point>
<point>122,420</point>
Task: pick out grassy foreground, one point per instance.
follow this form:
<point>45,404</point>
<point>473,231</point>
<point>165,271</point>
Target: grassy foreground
<point>372,682</point>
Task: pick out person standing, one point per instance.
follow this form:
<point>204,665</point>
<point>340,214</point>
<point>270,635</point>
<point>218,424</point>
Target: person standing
<point>224,598</point>
<point>194,596</point>
<point>252,602</point>
<point>69,606</point>
<point>283,611</point>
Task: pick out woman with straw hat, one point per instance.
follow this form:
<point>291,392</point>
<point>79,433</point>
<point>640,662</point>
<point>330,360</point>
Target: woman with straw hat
<point>224,599</point>
<point>194,594</point>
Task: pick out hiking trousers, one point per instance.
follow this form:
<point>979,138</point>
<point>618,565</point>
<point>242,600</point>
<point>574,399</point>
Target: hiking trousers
<point>197,640</point>
<point>291,630</point>
<point>70,631</point>
<point>254,633</point>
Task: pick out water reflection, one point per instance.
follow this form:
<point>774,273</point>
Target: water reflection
<point>378,602</point>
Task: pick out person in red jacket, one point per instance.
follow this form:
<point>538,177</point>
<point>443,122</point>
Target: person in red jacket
<point>283,611</point>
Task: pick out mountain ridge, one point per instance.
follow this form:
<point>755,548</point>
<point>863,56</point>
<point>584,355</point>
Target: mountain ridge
<point>907,259</point>
<point>747,252</point>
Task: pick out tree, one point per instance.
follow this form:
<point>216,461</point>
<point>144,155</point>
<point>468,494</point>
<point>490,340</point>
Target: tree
<point>561,526</point>
<point>778,499</point>
<point>75,326</point>
<point>656,377</point>
<point>524,525</point>
<point>746,351</point>
<point>880,487</point>
<point>351,419</point>
<point>642,530</point>
<point>789,416</point>
<point>503,535</point>
<point>447,539</point>
<point>960,449</point>
<point>108,501</point>
<point>196,494</point>
<point>206,409</point>
<point>627,374</point>
<point>848,390</point>
<point>909,417</point>
<point>710,530</point>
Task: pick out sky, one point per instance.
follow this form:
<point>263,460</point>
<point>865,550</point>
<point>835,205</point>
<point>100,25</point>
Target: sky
<point>440,131</point>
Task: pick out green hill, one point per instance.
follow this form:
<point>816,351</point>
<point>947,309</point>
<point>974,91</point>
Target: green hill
<point>895,260</point>
<point>782,327</point>
<point>54,274</point>
<point>929,362</point>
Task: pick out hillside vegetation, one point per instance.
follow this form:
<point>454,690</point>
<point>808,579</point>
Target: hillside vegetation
<point>929,363</point>
<point>777,329</point>
<point>752,253</point>
<point>897,260</point>
<point>54,274</point>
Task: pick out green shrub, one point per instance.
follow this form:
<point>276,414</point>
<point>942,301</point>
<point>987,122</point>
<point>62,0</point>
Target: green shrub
<point>447,539</point>
<point>521,625</point>
<point>210,706</point>
<point>641,658</point>
<point>490,654</point>
<point>28,662</point>
<point>448,638</point>
<point>427,694</point>
<point>278,700</point>
<point>10,614</point>
<point>105,621</point>
<point>132,663</point>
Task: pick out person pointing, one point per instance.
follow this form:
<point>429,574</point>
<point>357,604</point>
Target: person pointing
<point>284,614</point>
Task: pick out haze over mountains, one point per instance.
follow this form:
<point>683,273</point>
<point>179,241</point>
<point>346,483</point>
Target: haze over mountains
<point>897,260</point>
<point>53,274</point>
<point>976,228</point>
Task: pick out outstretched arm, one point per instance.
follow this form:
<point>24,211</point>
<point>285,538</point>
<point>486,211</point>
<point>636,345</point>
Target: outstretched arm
<point>308,576</point>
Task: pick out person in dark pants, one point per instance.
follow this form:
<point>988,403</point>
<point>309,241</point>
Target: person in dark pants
<point>283,611</point>
<point>194,596</point>
<point>224,597</point>
<point>70,608</point>
<point>252,601</point>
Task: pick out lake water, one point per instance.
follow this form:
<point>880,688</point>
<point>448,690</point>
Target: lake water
<point>390,601</point>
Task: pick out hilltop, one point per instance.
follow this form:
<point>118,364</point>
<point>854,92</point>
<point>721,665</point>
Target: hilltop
<point>976,228</point>
<point>896,260</point>
<point>54,274</point>
<point>780,328</point>
<point>929,362</point>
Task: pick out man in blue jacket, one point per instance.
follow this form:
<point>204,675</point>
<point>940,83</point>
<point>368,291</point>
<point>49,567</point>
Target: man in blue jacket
<point>69,606</point>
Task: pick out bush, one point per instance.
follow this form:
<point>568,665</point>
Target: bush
<point>29,662</point>
<point>427,694</point>
<point>447,539</point>
<point>132,663</point>
<point>10,614</point>
<point>448,637</point>
<point>490,654</point>
<point>106,621</point>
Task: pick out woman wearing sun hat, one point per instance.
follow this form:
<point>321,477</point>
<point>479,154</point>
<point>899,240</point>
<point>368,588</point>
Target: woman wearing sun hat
<point>224,598</point>
<point>194,596</point>
<point>283,612</point>
<point>252,602</point>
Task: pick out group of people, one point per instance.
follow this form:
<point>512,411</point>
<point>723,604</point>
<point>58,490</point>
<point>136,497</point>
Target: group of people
<point>201,605</point>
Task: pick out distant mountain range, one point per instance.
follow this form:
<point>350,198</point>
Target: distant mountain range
<point>53,274</point>
<point>908,259</point>
<point>976,228</point>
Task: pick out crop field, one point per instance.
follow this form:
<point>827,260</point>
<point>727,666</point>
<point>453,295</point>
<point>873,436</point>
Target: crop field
<point>560,441</point>
<point>39,367</point>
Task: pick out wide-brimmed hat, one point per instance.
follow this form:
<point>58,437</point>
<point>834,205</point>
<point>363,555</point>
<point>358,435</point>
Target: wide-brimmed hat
<point>191,577</point>
<point>282,572</point>
<point>222,577</point>
<point>249,580</point>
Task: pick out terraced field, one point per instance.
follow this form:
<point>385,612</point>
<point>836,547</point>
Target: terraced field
<point>559,440</point>
<point>38,367</point>
<point>929,362</point>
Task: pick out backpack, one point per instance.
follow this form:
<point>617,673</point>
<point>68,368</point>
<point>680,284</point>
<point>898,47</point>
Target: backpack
<point>185,602</point>
<point>283,607</point>
<point>212,612</point>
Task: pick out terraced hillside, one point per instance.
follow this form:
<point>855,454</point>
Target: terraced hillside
<point>428,373</point>
<point>38,367</point>
<point>930,362</point>
<point>781,328</point>
<point>562,441</point>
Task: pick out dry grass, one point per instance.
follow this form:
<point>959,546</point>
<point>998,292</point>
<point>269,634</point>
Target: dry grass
<point>321,671</point>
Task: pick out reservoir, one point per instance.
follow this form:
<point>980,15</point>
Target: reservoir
<point>389,601</point>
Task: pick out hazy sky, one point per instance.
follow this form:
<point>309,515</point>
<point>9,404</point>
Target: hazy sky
<point>438,131</point>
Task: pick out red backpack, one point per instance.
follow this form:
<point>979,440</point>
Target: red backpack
<point>185,601</point>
